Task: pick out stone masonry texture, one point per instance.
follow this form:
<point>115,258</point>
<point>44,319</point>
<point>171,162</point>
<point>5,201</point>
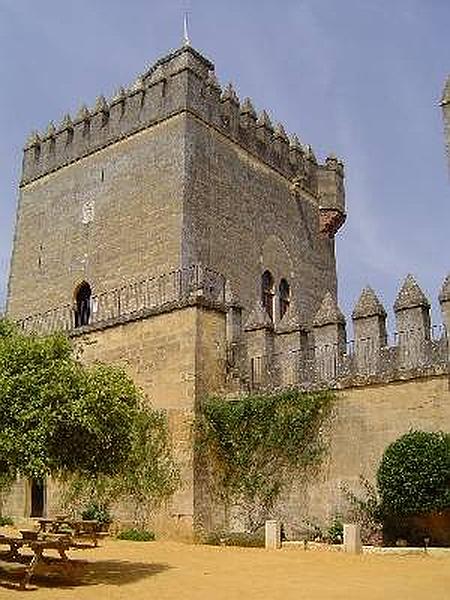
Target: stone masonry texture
<point>176,171</point>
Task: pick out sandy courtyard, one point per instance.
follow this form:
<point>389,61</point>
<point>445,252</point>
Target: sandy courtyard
<point>162,570</point>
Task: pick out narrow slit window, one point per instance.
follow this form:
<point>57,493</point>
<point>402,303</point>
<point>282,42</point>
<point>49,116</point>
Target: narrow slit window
<point>284,292</point>
<point>267,292</point>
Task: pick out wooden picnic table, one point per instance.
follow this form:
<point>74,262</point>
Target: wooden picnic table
<point>38,548</point>
<point>60,535</point>
<point>79,528</point>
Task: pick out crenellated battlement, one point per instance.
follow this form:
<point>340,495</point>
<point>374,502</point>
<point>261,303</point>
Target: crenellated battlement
<point>262,354</point>
<point>323,357</point>
<point>185,81</point>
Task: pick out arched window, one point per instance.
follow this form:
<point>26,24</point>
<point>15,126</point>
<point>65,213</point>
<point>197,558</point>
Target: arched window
<point>284,294</point>
<point>83,304</point>
<point>267,292</point>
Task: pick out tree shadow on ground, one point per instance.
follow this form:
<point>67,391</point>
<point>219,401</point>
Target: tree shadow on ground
<point>79,573</point>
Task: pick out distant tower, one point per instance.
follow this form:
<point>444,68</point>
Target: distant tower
<point>445,103</point>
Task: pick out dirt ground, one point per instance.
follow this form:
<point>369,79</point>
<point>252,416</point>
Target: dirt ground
<point>169,570</point>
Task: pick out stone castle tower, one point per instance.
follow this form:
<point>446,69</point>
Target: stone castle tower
<point>178,233</point>
<point>170,173</point>
<point>154,225</point>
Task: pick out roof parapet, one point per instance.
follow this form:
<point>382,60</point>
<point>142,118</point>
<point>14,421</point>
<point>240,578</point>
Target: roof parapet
<point>184,80</point>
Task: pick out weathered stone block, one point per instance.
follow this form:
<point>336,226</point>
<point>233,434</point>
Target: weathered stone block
<point>352,538</point>
<point>273,535</point>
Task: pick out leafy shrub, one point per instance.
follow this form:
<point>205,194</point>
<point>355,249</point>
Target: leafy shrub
<point>414,474</point>
<point>335,532</point>
<point>96,512</point>
<point>136,535</point>
<point>6,521</point>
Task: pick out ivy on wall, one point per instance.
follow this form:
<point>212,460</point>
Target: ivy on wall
<point>255,445</point>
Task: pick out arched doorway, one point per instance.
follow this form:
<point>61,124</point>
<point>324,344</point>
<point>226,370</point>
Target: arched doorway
<point>83,304</point>
<point>37,492</point>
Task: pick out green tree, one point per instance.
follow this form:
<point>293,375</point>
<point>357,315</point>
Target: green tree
<point>414,474</point>
<point>56,414</point>
<point>89,425</point>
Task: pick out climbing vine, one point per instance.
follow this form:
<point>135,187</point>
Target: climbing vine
<point>252,447</point>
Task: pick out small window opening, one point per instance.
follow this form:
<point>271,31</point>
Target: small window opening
<point>83,304</point>
<point>41,248</point>
<point>267,292</point>
<point>102,175</point>
<point>284,296</point>
<point>69,138</point>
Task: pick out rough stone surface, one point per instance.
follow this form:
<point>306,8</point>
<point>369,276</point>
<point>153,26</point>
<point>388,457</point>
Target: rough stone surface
<point>290,321</point>
<point>258,319</point>
<point>368,305</point>
<point>329,312</point>
<point>410,295</point>
<point>272,535</point>
<point>352,538</point>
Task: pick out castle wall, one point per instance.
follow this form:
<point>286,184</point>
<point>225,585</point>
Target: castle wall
<point>365,421</point>
<point>110,218</point>
<point>241,218</point>
<point>176,358</point>
<point>165,356</point>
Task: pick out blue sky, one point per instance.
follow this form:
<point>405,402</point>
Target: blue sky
<point>359,78</point>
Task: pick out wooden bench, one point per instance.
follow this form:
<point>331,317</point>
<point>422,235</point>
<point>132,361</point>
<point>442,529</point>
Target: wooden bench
<point>15,544</point>
<point>38,548</point>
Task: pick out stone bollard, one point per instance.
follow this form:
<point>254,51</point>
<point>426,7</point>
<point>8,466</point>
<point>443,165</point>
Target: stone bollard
<point>273,535</point>
<point>352,538</point>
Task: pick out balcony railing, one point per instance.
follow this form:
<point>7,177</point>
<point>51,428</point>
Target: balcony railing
<point>132,300</point>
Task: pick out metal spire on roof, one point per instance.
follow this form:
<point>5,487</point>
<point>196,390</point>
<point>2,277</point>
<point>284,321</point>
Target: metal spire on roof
<point>186,40</point>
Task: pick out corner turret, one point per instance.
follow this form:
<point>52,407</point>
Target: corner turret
<point>331,196</point>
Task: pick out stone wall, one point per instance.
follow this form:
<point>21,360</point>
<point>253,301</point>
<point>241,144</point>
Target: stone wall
<point>242,217</point>
<point>384,386</point>
<point>365,421</point>
<point>111,218</point>
<point>176,358</point>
